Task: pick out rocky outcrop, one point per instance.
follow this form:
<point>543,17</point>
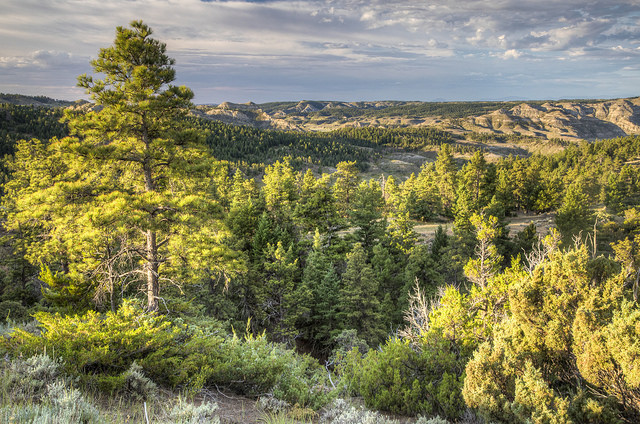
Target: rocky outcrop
<point>247,114</point>
<point>587,121</point>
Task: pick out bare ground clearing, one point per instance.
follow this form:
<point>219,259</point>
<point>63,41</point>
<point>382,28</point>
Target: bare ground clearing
<point>543,223</point>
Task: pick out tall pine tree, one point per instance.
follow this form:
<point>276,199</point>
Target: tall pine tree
<point>133,172</point>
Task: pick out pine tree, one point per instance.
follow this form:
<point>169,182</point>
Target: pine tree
<point>429,197</point>
<point>316,208</point>
<point>486,263</point>
<point>392,195</point>
<point>574,216</point>
<point>244,211</point>
<point>359,308</point>
<point>366,214</point>
<point>422,270</point>
<point>388,264</point>
<point>447,183</point>
<point>475,182</point>
<point>283,301</point>
<point>280,189</point>
<point>345,186</point>
<point>323,282</point>
<point>133,173</point>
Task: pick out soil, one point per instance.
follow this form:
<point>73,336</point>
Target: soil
<point>233,408</point>
<point>237,409</point>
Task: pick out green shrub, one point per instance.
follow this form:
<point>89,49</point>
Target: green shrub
<point>95,344</point>
<point>10,309</point>
<point>567,352</point>
<point>28,379</point>
<point>101,351</point>
<point>253,365</point>
<point>137,386</point>
<point>407,379</point>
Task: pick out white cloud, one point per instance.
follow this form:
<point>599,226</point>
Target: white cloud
<point>338,38</point>
<point>44,59</point>
<point>511,54</point>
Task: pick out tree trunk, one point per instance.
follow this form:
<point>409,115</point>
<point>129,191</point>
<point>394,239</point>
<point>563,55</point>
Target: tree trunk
<point>153,287</point>
<point>152,272</point>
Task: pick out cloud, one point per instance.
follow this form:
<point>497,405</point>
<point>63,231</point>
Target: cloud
<point>43,59</point>
<point>332,41</point>
<point>511,54</point>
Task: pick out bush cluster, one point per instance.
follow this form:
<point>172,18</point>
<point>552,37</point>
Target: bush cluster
<point>37,391</point>
<point>129,351</point>
<point>407,379</point>
<point>253,365</point>
<point>188,413</point>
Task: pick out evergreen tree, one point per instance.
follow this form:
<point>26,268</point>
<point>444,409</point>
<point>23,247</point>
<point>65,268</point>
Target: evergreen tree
<point>525,240</point>
<point>359,307</point>
<point>476,182</point>
<point>392,195</point>
<point>400,234</point>
<point>316,207</point>
<point>244,212</point>
<point>421,269</point>
<point>486,263</point>
<point>440,242</point>
<point>526,183</point>
<point>345,186</point>
<point>132,168</point>
<point>323,282</point>
<point>283,301</point>
<point>279,189</point>
<point>504,188</point>
<point>388,264</point>
<point>621,189</point>
<point>549,193</point>
<point>424,200</point>
<point>574,216</point>
<point>447,183</point>
<point>366,214</point>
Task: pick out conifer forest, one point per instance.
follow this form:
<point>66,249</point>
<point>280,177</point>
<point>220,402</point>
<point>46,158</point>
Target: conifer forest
<point>153,260</point>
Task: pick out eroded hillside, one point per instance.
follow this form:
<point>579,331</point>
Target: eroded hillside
<point>566,120</point>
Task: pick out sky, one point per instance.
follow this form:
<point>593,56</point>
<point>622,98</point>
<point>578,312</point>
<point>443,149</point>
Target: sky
<point>346,50</point>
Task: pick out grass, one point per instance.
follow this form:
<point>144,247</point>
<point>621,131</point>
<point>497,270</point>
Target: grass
<point>276,418</point>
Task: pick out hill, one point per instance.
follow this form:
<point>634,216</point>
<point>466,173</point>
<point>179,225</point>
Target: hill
<point>43,101</point>
<point>563,120</point>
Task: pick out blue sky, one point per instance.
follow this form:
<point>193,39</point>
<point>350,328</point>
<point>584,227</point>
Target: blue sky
<point>346,50</point>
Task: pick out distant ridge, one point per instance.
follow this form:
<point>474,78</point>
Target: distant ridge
<point>43,101</point>
<point>568,120</point>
